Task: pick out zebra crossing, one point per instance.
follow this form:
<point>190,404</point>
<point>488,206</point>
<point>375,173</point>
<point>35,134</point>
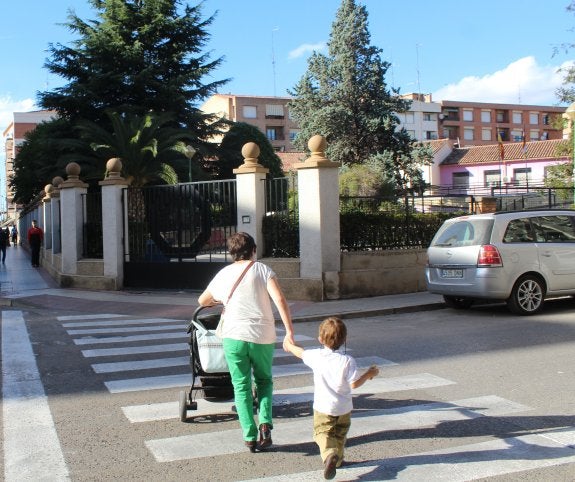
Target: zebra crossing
<point>123,338</point>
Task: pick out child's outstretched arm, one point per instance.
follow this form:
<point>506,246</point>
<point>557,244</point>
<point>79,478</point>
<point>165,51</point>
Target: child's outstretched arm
<point>292,348</point>
<point>371,372</point>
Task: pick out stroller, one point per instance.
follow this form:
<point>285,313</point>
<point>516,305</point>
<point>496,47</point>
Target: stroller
<point>214,385</point>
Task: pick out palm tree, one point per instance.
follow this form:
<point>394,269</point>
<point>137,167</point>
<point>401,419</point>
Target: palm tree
<point>146,145</point>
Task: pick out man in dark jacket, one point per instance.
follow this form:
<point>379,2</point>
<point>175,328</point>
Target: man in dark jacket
<point>35,238</point>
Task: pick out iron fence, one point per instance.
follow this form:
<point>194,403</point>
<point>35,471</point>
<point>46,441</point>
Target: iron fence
<point>92,239</point>
<point>180,222</point>
<point>280,224</point>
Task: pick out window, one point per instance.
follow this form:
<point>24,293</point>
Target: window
<point>517,117</point>
<point>533,117</point>
<point>293,134</point>
<point>411,133</point>
<point>516,135</point>
<point>500,116</point>
<point>554,229</point>
<point>430,135</point>
<point>409,118</point>
<point>460,179</point>
<point>518,231</point>
<point>250,112</point>
<point>485,116</point>
<point>533,135</point>
<point>468,134</point>
<point>275,133</point>
<point>486,134</point>
<point>274,111</point>
<point>468,115</point>
<point>546,119</point>
<point>522,175</point>
<point>492,178</point>
<point>429,116</point>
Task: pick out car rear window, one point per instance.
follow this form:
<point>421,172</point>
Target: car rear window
<point>465,232</point>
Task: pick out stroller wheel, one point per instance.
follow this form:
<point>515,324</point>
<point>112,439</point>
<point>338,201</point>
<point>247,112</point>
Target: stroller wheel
<point>183,406</point>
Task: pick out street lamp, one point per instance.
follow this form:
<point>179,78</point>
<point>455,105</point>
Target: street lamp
<point>190,152</point>
<point>570,113</point>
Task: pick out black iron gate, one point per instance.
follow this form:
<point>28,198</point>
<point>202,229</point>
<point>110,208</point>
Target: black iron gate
<point>177,234</point>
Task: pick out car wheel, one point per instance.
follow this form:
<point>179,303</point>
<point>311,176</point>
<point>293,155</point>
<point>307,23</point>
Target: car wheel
<point>458,302</point>
<point>527,296</point>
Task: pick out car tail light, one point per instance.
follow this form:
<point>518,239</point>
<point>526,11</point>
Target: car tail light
<point>489,256</point>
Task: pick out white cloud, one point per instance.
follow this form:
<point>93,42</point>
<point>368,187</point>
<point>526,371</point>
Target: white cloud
<point>8,106</point>
<point>304,49</point>
<point>521,82</point>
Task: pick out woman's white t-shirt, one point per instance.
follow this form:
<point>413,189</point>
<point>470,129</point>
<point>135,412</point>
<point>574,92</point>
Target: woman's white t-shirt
<point>248,315</point>
<point>333,373</point>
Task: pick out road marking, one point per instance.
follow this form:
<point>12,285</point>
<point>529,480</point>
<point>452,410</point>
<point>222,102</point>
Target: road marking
<point>180,381</point>
<point>462,463</point>
<point>364,423</point>
<point>168,410</point>
<point>141,364</point>
<point>139,321</point>
<point>89,340</point>
<point>135,350</point>
<point>32,450</point>
<point>88,317</point>
<point>130,329</point>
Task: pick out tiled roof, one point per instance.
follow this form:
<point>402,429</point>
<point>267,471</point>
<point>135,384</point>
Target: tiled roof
<point>436,145</point>
<point>290,158</point>
<point>513,151</point>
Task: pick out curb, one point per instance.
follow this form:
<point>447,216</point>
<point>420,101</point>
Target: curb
<point>367,313</point>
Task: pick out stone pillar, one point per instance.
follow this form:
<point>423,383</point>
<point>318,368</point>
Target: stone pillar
<point>56,216</point>
<point>72,222</point>
<point>47,223</point>
<point>251,194</point>
<point>113,221</point>
<point>318,200</point>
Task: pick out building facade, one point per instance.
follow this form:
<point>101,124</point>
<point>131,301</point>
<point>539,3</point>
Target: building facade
<point>269,114</point>
<point>14,135</point>
<point>478,124</point>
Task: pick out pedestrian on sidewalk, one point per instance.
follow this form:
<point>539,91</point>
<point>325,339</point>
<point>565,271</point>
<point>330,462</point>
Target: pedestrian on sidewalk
<point>249,333</point>
<point>14,235</point>
<point>335,375</point>
<point>35,238</point>
<point>4,242</point>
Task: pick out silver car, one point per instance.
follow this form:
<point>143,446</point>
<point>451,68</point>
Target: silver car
<point>520,257</point>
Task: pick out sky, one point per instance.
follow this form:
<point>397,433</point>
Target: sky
<point>503,51</point>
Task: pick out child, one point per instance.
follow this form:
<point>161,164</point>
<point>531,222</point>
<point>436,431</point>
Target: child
<point>334,374</point>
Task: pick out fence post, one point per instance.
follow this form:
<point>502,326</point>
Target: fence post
<point>251,199</point>
<point>46,224</point>
<point>71,191</point>
<point>113,221</point>
<point>318,191</point>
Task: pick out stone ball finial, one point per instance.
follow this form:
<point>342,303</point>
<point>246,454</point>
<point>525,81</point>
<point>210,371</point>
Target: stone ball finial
<point>73,170</point>
<point>114,167</point>
<point>250,152</point>
<point>57,181</point>
<point>49,188</point>
<point>317,145</point>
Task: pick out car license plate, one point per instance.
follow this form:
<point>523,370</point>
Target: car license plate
<point>452,273</point>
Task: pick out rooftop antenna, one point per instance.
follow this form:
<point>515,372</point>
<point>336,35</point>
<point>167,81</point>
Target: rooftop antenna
<point>275,29</point>
<point>417,67</point>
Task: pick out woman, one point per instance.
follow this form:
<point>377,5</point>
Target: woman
<point>248,333</point>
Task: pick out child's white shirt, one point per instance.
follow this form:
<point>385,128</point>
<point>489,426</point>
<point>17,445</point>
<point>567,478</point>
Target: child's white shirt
<point>333,373</point>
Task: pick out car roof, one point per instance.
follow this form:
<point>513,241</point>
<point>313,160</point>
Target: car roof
<point>514,214</point>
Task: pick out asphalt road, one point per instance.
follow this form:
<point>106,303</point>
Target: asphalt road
<point>462,395</point>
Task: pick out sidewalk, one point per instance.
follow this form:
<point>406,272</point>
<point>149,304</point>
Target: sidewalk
<point>23,286</point>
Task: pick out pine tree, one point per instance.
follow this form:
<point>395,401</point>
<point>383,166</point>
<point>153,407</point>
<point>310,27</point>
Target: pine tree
<point>137,56</point>
<point>344,97</point>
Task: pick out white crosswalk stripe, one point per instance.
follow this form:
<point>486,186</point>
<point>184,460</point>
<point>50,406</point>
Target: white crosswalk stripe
<point>369,422</point>
<point>128,338</point>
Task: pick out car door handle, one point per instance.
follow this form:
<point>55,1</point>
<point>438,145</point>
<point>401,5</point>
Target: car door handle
<point>547,254</point>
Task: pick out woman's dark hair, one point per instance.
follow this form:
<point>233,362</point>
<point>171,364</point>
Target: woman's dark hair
<point>241,246</point>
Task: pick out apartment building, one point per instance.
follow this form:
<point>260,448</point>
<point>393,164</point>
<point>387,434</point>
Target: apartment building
<point>477,123</point>
<point>269,114</point>
<point>421,121</point>
<point>13,135</point>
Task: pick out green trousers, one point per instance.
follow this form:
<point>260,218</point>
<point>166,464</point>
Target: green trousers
<point>243,358</point>
<point>330,434</point>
